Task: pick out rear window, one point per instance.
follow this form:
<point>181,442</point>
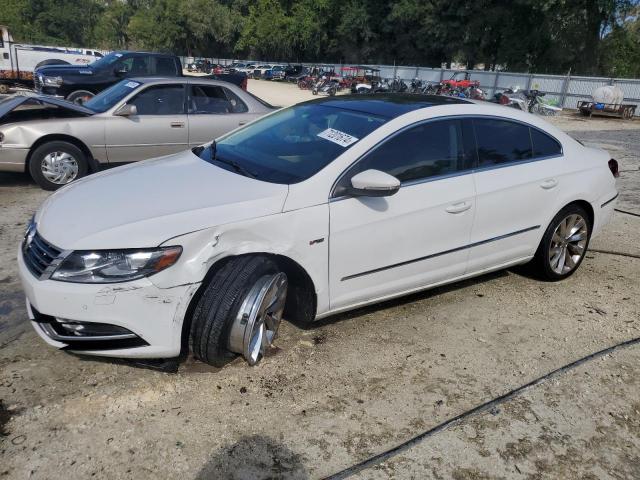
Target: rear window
<point>166,66</point>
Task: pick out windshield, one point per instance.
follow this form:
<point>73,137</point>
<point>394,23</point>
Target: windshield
<point>105,61</point>
<point>292,144</point>
<point>112,95</point>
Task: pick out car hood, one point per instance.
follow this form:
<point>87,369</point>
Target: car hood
<point>52,70</point>
<point>11,103</point>
<point>146,203</point>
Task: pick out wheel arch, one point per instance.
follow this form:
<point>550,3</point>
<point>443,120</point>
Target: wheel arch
<point>61,137</point>
<point>301,304</point>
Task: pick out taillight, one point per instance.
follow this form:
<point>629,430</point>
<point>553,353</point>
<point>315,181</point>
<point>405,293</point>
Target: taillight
<point>613,166</point>
<point>243,85</point>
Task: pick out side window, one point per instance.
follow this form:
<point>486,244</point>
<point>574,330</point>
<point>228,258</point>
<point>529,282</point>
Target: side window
<point>428,150</point>
<point>160,100</point>
<point>213,99</point>
<point>166,66</point>
<point>238,106</point>
<point>544,145</point>
<point>125,65</point>
<point>501,141</point>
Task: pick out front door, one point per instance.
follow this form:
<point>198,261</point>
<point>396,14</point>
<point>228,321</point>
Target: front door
<point>159,127</point>
<point>388,245</point>
<point>213,111</point>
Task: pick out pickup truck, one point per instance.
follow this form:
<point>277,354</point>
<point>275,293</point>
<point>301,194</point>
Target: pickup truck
<point>78,84</point>
<point>18,61</point>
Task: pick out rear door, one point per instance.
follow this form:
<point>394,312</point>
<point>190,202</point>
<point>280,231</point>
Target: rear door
<point>517,185</point>
<point>159,127</point>
<point>213,111</point>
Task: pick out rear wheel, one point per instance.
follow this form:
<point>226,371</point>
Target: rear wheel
<point>563,245</point>
<point>4,88</point>
<point>55,164</point>
<point>239,311</point>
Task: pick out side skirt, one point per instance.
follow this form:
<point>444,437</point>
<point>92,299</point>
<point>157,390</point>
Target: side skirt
<point>502,266</point>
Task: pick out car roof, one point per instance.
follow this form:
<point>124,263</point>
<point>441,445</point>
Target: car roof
<point>172,80</point>
<point>390,105</point>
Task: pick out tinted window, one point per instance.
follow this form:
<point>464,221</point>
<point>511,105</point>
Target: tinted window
<point>501,141</point>
<point>215,99</point>
<point>160,100</point>
<point>292,144</point>
<point>165,66</point>
<point>428,150</point>
<point>544,145</point>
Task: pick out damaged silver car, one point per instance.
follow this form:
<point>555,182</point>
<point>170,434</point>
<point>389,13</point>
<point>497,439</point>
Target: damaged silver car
<point>58,141</point>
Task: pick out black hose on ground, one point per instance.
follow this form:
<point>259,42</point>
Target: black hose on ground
<point>627,213</point>
<point>381,457</point>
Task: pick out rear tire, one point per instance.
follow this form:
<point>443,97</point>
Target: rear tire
<point>220,303</point>
<point>55,164</point>
<point>4,89</point>
<point>563,245</point>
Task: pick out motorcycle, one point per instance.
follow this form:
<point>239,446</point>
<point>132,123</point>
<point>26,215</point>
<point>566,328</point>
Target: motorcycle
<point>537,104</point>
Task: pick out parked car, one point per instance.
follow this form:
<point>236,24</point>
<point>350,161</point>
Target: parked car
<point>277,72</point>
<point>81,83</point>
<point>58,141</point>
<point>293,73</point>
<point>260,70</point>
<point>316,209</point>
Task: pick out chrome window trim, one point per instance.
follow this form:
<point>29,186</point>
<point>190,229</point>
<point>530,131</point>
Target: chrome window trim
<point>475,169</point>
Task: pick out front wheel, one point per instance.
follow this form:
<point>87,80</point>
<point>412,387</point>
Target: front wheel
<point>80,96</point>
<point>563,245</point>
<point>239,311</point>
<point>55,164</point>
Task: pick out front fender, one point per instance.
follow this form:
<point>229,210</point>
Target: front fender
<point>300,235</point>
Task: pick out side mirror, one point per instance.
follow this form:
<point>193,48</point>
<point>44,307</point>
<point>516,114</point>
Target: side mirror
<point>373,183</point>
<point>119,72</point>
<point>126,110</point>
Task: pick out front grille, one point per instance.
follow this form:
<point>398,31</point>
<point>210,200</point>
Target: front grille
<point>38,254</point>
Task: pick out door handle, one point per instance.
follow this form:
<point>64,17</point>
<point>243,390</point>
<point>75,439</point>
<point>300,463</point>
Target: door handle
<point>458,207</point>
<point>548,184</point>
<point>244,122</point>
<point>177,124</point>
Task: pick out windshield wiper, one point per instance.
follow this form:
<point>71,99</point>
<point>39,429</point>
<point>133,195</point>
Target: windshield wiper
<point>236,166</point>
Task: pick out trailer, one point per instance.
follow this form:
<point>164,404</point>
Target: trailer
<point>620,110</point>
<point>18,61</point>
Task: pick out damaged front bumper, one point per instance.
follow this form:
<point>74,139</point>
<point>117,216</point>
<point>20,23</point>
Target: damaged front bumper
<point>135,319</point>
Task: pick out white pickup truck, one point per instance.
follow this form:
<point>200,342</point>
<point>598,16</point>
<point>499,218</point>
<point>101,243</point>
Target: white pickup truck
<point>18,61</point>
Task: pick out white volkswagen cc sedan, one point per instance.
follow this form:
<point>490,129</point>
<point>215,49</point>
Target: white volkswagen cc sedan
<point>315,209</point>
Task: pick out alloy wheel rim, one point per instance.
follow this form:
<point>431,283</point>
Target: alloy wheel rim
<point>59,167</point>
<point>255,327</point>
<point>568,244</point>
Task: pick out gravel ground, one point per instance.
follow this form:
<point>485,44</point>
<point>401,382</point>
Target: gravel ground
<point>356,385</point>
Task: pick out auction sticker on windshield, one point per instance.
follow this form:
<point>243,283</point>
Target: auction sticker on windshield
<point>132,84</point>
<point>336,136</point>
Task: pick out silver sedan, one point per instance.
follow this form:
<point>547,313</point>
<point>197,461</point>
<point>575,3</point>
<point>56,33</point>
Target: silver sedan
<point>57,141</point>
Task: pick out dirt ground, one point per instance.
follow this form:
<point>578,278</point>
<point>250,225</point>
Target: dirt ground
<point>358,384</point>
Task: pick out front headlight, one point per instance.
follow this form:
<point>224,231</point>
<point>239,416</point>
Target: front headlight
<point>52,81</point>
<point>111,266</point>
